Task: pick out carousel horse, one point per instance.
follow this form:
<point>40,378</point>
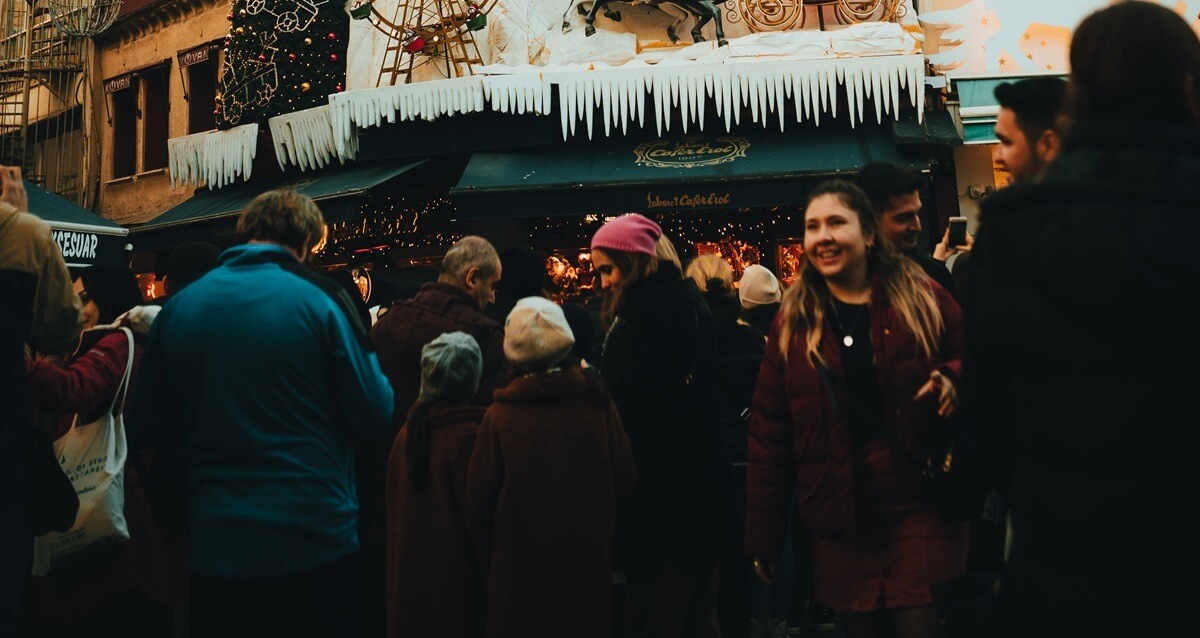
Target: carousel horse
<point>703,11</point>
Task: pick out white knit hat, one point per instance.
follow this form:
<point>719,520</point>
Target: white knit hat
<point>536,334</point>
<point>758,287</point>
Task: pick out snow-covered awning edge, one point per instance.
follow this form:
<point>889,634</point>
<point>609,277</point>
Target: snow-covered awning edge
<point>215,158</point>
<point>764,88</point>
<point>620,94</point>
<point>306,139</point>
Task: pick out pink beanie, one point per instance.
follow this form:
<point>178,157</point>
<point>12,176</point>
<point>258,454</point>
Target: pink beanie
<point>632,233</point>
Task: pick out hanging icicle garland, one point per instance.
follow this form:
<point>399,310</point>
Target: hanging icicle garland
<point>213,158</point>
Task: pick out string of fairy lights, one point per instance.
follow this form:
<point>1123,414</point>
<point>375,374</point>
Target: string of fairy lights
<point>392,224</point>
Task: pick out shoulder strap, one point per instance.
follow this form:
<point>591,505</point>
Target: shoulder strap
<point>118,403</point>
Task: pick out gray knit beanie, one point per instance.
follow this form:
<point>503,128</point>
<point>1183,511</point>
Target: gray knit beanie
<point>450,368</point>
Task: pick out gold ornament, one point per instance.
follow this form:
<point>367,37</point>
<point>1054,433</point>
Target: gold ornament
<point>305,86</point>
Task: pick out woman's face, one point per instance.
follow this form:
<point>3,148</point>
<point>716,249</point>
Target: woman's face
<point>91,312</point>
<point>611,277</point>
<point>833,239</point>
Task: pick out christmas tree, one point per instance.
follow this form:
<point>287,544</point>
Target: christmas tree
<point>281,56</point>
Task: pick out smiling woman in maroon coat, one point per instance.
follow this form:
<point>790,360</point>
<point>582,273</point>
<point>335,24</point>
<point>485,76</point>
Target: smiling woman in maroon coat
<point>852,390</point>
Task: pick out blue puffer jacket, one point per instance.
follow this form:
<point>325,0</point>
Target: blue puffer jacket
<point>263,375</point>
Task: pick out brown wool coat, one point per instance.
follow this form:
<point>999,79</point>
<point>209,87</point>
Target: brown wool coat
<point>549,466</point>
<point>434,584</point>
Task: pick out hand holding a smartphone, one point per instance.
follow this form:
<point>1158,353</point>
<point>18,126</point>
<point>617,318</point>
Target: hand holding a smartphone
<point>955,239</point>
<point>12,188</point>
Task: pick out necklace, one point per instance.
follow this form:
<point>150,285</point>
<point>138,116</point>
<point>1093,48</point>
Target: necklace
<point>847,339</point>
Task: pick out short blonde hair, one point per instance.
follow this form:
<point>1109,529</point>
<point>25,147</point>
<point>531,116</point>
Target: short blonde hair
<point>710,267</point>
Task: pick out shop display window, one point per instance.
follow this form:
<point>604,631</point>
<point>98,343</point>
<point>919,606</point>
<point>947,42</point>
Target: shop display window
<point>737,253</point>
<point>569,275</point>
<point>789,254</point>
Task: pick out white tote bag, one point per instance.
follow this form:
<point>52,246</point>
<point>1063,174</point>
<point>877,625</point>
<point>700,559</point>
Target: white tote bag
<point>93,457</point>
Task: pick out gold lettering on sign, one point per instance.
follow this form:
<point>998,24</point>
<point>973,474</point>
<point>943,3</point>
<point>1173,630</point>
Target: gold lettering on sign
<point>697,200</point>
<point>690,151</point>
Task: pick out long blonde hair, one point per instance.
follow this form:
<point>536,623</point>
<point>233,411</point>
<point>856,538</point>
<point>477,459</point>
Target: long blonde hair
<point>904,283</point>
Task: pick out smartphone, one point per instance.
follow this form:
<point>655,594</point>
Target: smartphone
<point>958,231</point>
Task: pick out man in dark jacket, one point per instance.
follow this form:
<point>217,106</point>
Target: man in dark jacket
<point>1072,352</point>
<point>1029,141</point>
<point>40,308</point>
<point>895,194</point>
<point>455,302</point>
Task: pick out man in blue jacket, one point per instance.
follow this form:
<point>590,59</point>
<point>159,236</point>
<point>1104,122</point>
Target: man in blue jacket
<point>263,376</point>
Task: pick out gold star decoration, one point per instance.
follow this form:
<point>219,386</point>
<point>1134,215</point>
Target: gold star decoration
<point>1003,62</point>
<point>983,21</point>
<point>1029,55</point>
<point>1027,36</point>
<point>1049,67</point>
<point>1043,43</point>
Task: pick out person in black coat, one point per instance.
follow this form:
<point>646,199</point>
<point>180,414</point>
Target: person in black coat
<point>660,364</point>
<point>1067,356</point>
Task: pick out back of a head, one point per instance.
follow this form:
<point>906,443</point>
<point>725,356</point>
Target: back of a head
<point>711,273</point>
<point>451,366</point>
<point>758,287</point>
<point>537,335</point>
<point>583,327</point>
<point>469,252</point>
<point>664,251</point>
<point>881,181</point>
<point>282,217</point>
<point>1036,102</point>
<point>114,289</point>
<point>188,263</point>
<point>1133,61</point>
<point>524,272</point>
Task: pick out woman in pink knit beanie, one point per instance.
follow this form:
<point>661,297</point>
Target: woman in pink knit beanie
<point>659,362</point>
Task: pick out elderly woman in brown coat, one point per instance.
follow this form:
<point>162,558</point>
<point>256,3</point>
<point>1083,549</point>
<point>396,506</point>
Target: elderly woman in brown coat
<point>434,584</point>
<point>549,466</point>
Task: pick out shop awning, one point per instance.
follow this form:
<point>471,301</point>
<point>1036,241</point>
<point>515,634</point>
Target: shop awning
<point>978,106</point>
<point>698,171</point>
<point>84,237</point>
<point>212,214</point>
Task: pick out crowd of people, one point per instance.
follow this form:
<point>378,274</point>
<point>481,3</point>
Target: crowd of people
<point>688,456</point>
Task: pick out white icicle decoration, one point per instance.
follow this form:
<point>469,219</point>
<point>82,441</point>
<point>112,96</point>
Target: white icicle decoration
<point>306,139</point>
<point>215,158</point>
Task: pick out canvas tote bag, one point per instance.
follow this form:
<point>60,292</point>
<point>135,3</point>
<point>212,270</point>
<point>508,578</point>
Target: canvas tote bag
<point>93,456</point>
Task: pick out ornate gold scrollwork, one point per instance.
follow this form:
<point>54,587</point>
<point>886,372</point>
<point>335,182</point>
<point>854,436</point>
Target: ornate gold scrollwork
<point>781,15</point>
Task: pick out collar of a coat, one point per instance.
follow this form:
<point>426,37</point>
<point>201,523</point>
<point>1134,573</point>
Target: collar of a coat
<point>251,254</point>
<point>566,381</point>
<point>442,296</point>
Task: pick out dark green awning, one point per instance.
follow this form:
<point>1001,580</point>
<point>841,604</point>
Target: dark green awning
<point>84,237</point>
<point>211,215</point>
<point>699,171</point>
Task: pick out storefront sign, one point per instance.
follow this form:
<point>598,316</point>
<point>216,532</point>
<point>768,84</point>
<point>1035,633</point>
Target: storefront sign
<point>196,55</point>
<point>76,245</point>
<point>691,151</point>
<point>119,83</point>
<point>687,200</point>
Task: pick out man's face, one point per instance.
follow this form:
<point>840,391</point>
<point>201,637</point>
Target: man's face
<point>483,289</point>
<point>901,222</point>
<point>1016,154</point>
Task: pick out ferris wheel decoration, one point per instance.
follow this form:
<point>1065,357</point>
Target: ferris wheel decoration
<point>427,32</point>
